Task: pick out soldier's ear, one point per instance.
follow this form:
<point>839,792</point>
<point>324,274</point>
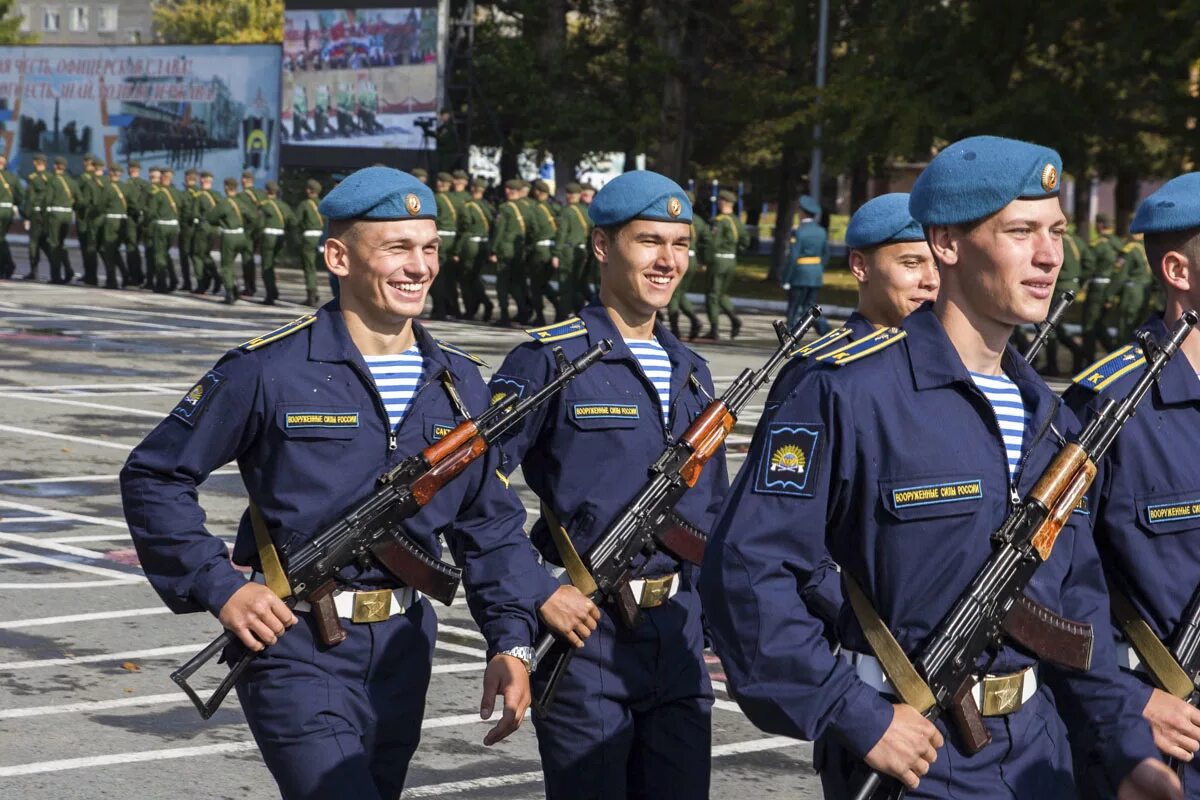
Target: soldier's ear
<point>337,257</point>
<point>858,265</point>
<point>943,243</point>
<point>601,242</point>
<point>1178,273</point>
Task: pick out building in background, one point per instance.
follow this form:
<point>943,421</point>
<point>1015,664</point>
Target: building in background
<point>85,22</point>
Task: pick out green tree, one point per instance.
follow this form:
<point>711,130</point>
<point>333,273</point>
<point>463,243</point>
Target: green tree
<point>219,21</point>
<point>10,25</point>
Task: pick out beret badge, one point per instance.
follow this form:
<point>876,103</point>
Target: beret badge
<point>1049,178</point>
<point>413,203</point>
<point>674,207</point>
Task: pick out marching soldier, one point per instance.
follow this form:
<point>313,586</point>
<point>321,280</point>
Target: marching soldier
<point>137,193</point>
<point>842,467</point>
<point>111,218</point>
<point>474,225</point>
<point>202,204</point>
<point>571,254</point>
<point>182,208</point>
<point>508,252</point>
<point>60,211</point>
<point>162,225</point>
<point>148,229</point>
<point>632,714</point>
<point>229,218</point>
<point>311,225</point>
<point>86,222</point>
<point>458,189</point>
<point>249,201</point>
<point>543,228</point>
<point>420,175</point>
<point>1077,263</point>
<point>1136,286</point>
<point>444,292</point>
<point>1101,293</point>
<point>37,192</point>
<point>11,199</point>
<point>277,217</point>
<point>808,256</point>
<point>729,238</point>
<point>187,229</point>
<point>591,271</point>
<point>698,257</point>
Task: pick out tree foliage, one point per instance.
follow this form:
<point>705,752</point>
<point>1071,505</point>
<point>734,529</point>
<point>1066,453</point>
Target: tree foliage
<point>219,21</point>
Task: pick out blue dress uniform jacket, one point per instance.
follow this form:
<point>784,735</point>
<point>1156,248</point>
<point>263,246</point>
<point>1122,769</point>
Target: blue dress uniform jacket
<point>302,418</point>
<point>807,256</point>
<point>1145,508</point>
<point>834,470</point>
<point>632,715</point>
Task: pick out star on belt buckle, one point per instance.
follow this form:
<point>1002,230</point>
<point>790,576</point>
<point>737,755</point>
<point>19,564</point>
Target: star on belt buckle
<point>1002,694</point>
<point>372,606</point>
<point>655,591</point>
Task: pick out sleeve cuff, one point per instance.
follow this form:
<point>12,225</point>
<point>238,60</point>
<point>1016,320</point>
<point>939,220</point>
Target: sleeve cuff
<point>863,719</point>
<point>215,585</point>
<point>1129,748</point>
<point>505,634</point>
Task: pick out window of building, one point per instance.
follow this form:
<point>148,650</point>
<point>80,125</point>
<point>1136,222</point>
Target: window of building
<point>106,19</point>
<point>51,19</point>
<point>25,12</point>
<point>78,18</point>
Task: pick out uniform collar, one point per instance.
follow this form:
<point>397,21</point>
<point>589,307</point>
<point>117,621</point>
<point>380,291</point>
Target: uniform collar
<point>859,325</point>
<point>330,341</point>
<point>1178,384</point>
<point>600,326</point>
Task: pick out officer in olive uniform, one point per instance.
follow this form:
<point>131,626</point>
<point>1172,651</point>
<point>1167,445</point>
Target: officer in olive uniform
<point>11,196</point>
<point>162,228</point>
<point>508,253</point>
<point>61,197</point>
<point>311,225</point>
<point>1077,262</point>
<point>699,256</point>
<point>277,216</point>
<point>539,252</point>
<point>187,228</point>
<point>729,238</point>
<point>112,214</point>
<point>230,221</point>
<point>86,223</point>
<point>1101,293</point>
<point>420,175</point>
<point>248,202</point>
<point>571,253</point>
<point>37,184</point>
<point>474,225</point>
<point>137,192</point>
<point>181,207</point>
<point>444,292</point>
<point>1136,285</point>
<point>204,202</point>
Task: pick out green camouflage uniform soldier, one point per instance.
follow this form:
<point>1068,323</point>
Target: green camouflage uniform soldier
<point>591,270</point>
<point>37,190</point>
<point>86,222</point>
<point>729,238</point>
<point>311,225</point>
<point>229,218</point>
<point>112,215</point>
<point>1077,263</point>
<point>60,208</point>
<point>444,292</point>
<point>11,196</point>
<point>248,201</point>
<point>162,227</point>
<point>539,254</point>
<point>507,248</point>
<point>571,247</point>
<point>1101,291</point>
<point>183,210</point>
<point>146,226</point>
<point>137,193</point>
<point>1136,279</point>
<point>187,229</point>
<point>277,217</point>
<point>474,225</point>
<point>207,276</point>
<point>528,207</point>
<point>698,256</point>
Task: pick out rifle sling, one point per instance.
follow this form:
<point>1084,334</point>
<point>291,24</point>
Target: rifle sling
<point>581,579</point>
<point>268,558</point>
<point>1165,671</point>
<point>899,670</point>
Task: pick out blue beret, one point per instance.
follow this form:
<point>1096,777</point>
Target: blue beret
<point>809,205</point>
<point>976,177</point>
<point>883,220</point>
<point>640,194</point>
<point>379,193</point>
<point>1174,207</point>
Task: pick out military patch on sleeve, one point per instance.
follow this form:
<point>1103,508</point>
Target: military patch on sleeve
<point>567,329</point>
<point>884,337</point>
<point>821,343</point>
<point>277,334</point>
<point>503,385</point>
<point>189,409</point>
<point>1082,507</point>
<point>1108,369</point>
<point>789,458</point>
<point>458,351</point>
<point>439,429</point>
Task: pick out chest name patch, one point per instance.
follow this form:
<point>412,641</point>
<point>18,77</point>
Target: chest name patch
<point>604,411</point>
<point>789,459</point>
<point>953,492</point>
<point>1082,507</point>
<point>319,419</point>
<point>440,430</point>
<point>192,405</point>
<point>1169,512</point>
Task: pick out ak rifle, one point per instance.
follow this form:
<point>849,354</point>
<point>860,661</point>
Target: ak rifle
<point>947,662</point>
<point>650,522</point>
<point>1046,328</point>
<point>372,531</point>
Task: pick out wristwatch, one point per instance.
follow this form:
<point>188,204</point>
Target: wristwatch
<point>524,653</point>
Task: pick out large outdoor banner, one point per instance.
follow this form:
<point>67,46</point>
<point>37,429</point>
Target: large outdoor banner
<point>213,107</point>
<point>365,78</point>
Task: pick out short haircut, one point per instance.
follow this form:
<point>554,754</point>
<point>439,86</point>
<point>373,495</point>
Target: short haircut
<point>1186,241</point>
<point>342,229</point>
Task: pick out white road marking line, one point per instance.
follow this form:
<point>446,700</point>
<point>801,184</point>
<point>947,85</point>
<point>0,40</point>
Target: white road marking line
<point>4,561</point>
<point>175,315</point>
<point>460,649</point>
<point>50,544</point>
<point>96,442</point>
<point>37,622</point>
<point>727,705</point>
<point>41,585</point>
<point>117,577</point>
<point>96,537</point>
<point>467,632</point>
<point>88,478</point>
<point>59,315</point>
<point>137,412</point>
<point>143,386</point>
<point>107,521</point>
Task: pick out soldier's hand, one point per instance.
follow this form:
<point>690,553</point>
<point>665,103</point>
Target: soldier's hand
<point>505,676</point>
<point>570,614</point>
<point>1150,780</point>
<point>908,746</point>
<point>256,616</point>
<point>492,258</point>
<point>554,262</point>
<point>1175,724</point>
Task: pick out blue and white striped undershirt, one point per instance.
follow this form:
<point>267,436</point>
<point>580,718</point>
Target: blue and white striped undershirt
<point>657,367</point>
<point>1006,401</point>
<point>396,378</point>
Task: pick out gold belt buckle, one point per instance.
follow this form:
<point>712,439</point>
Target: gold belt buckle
<point>373,606</point>
<point>655,591</point>
<point>1002,694</point>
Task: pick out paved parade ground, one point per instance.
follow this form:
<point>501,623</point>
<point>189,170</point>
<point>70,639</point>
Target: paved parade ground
<point>86,706</point>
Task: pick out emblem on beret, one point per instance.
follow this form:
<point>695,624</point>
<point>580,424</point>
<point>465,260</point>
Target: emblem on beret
<point>1049,178</point>
<point>413,203</point>
<point>674,207</point>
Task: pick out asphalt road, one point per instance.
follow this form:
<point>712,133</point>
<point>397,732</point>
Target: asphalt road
<point>86,706</point>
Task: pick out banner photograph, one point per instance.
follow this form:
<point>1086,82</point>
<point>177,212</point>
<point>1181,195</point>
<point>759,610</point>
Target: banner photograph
<point>209,107</point>
<point>365,78</point>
